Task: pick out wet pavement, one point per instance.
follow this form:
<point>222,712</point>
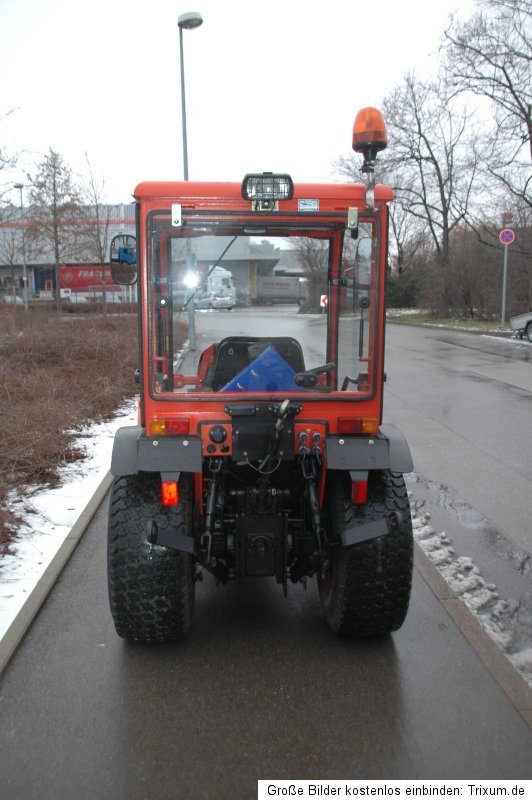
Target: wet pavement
<point>468,425</point>
<point>464,403</point>
<point>260,689</point>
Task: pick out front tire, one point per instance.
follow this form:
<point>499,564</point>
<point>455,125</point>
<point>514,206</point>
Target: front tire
<point>365,588</point>
<point>529,332</point>
<point>151,588</point>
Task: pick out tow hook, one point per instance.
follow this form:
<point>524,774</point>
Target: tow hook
<point>151,532</point>
<point>395,521</point>
<point>354,533</point>
<point>169,537</point>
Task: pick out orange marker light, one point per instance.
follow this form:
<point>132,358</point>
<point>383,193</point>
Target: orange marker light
<point>369,131</point>
<point>157,427</point>
<point>170,493</point>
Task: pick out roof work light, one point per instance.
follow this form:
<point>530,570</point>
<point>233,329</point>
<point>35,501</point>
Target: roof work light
<point>267,186</point>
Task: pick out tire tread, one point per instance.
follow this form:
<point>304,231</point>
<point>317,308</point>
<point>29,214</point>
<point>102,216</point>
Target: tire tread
<point>151,588</point>
<point>369,592</point>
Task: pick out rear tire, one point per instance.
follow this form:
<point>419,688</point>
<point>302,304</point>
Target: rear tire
<point>151,588</point>
<point>365,592</point>
<point>529,332</point>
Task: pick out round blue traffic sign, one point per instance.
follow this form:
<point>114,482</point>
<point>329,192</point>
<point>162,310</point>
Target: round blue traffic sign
<point>506,236</point>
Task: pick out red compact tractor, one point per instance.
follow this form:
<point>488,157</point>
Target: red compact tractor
<point>260,449</point>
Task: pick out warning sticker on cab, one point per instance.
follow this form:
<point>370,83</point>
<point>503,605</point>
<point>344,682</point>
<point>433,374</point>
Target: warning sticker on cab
<point>308,205</point>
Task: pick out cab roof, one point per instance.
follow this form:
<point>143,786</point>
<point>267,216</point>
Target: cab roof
<point>332,196</point>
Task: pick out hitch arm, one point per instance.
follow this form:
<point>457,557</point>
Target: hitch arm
<point>169,537</point>
<point>309,470</point>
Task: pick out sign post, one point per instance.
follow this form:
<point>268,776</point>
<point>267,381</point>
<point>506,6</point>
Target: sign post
<point>506,237</point>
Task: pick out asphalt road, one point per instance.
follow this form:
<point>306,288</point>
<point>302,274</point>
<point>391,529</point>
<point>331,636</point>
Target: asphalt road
<point>261,689</point>
<point>464,402</point>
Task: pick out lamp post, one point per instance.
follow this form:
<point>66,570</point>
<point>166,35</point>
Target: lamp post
<point>20,187</point>
<point>187,21</point>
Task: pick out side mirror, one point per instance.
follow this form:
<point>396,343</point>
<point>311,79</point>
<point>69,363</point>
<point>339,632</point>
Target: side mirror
<point>123,259</point>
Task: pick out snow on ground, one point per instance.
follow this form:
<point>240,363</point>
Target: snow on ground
<point>495,614</point>
<point>494,333</point>
<point>50,513</point>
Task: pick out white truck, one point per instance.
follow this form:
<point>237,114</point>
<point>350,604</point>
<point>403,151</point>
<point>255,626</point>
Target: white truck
<point>522,325</point>
<point>216,289</point>
<point>279,289</point>
<point>220,281</point>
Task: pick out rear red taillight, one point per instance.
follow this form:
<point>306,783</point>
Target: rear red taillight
<point>357,425</point>
<point>170,427</point>
<point>170,493</point>
<point>175,427</point>
<point>359,492</point>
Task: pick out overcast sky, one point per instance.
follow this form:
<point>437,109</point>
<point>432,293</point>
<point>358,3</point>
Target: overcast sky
<point>270,86</point>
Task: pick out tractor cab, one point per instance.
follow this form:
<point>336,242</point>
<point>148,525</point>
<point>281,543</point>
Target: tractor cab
<point>260,449</point>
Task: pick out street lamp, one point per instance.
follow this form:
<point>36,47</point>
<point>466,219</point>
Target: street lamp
<point>189,21</point>
<point>20,187</point>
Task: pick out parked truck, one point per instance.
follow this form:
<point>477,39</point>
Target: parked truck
<point>219,281</point>
<point>279,289</point>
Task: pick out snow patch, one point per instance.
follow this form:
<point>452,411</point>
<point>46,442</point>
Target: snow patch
<point>50,513</point>
<point>496,615</point>
<point>523,660</point>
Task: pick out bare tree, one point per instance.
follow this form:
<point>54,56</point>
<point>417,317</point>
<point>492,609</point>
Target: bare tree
<point>55,211</point>
<point>313,255</point>
<point>490,55</point>
<point>406,232</point>
<point>432,165</point>
<point>433,157</point>
<point>10,240</point>
<point>98,227</point>
<point>407,238</point>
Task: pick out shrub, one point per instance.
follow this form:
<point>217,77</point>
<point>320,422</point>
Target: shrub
<point>57,374</point>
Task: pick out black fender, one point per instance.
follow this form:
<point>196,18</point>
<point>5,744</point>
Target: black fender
<point>134,452</point>
<point>400,455</point>
<point>386,450</point>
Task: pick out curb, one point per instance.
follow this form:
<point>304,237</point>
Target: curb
<point>508,677</point>
<point>22,622</point>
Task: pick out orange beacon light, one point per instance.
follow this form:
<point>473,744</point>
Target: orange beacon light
<point>369,133</point>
